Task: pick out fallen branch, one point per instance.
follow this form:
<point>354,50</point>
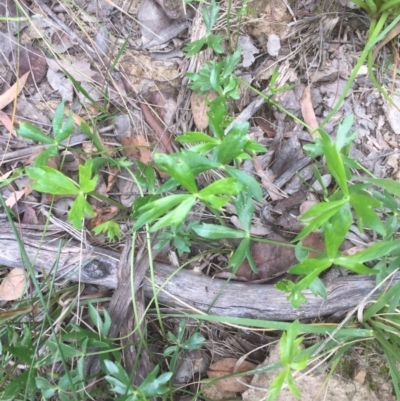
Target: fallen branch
<point>184,288</point>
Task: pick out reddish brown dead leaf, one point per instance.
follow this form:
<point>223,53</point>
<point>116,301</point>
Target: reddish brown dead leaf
<point>162,134</point>
<point>307,110</point>
<point>273,260</point>
<point>137,147</point>
<point>29,216</point>
<point>200,109</point>
<point>32,60</point>
<point>9,95</point>
<point>13,285</point>
<point>227,366</point>
<point>103,214</point>
<point>265,126</point>
<point>6,120</point>
<point>14,198</point>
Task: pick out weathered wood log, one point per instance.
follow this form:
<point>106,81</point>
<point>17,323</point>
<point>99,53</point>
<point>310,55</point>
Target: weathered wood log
<point>183,288</point>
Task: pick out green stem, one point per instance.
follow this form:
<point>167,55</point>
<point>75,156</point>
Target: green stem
<point>388,5</point>
<point>375,30</point>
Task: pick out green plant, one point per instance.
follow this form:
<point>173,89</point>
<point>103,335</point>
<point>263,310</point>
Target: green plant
<point>380,11</point>
<point>51,181</point>
<point>335,217</point>
<point>290,348</point>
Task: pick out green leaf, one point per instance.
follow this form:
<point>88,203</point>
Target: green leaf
<point>93,136</point>
<point>210,15</point>
<point>178,169</point>
<point>342,138</point>
<point>354,266</point>
<point>373,252</point>
<point>61,132</point>
<point>239,255</point>
<point>58,119</point>
<point>48,389</point>
<point>390,185</point>
<point>195,47</point>
<point>51,181</point>
<point>326,211</point>
<point>79,209</point>
<point>251,183</point>
<point>363,205</point>
<point>226,186</point>
<point>292,385</point>
<point>317,288</point>
<point>336,229</point>
<point>153,385</point>
<point>176,216</point>
<point>153,210</point>
<point>215,42</point>
<point>42,157</point>
<point>29,131</point>
<point>276,386</point>
<point>310,266</point>
<point>111,228</point>
<point>85,172</point>
<point>334,162</point>
<point>230,62</point>
<point>213,231</point>
<point>193,342</point>
<point>190,137</point>
<point>245,209</point>
<point>233,143</point>
<point>216,116</point>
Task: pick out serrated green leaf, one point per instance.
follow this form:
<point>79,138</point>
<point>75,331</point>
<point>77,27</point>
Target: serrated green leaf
<point>195,47</point>
<point>86,183</point>
<point>153,210</point>
<point>233,143</point>
<point>190,137</point>
<point>245,209</point>
<point>42,157</point>
<point>225,186</point>
<point>215,42</point>
<point>310,266</point>
<point>390,185</point>
<point>239,255</point>
<point>58,119</point>
<point>317,288</point>
<point>326,213</point>
<point>153,385</point>
<point>176,216</point>
<point>178,169</point>
<point>342,136</point>
<point>251,183</point>
<point>51,181</point>
<point>210,15</point>
<point>230,62</point>
<point>213,231</point>
<point>334,162</point>
<point>66,130</point>
<point>373,252</point>
<point>111,228</point>
<point>79,209</point>
<point>363,205</point>
<point>29,131</point>
<point>336,229</point>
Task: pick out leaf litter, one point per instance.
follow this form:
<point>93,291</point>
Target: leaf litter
<point>147,121</point>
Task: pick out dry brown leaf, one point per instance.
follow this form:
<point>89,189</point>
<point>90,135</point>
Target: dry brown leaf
<point>33,60</point>
<point>227,366</point>
<point>14,198</point>
<point>9,95</point>
<point>6,120</point>
<point>137,147</point>
<point>307,110</point>
<point>13,285</point>
<point>200,109</point>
